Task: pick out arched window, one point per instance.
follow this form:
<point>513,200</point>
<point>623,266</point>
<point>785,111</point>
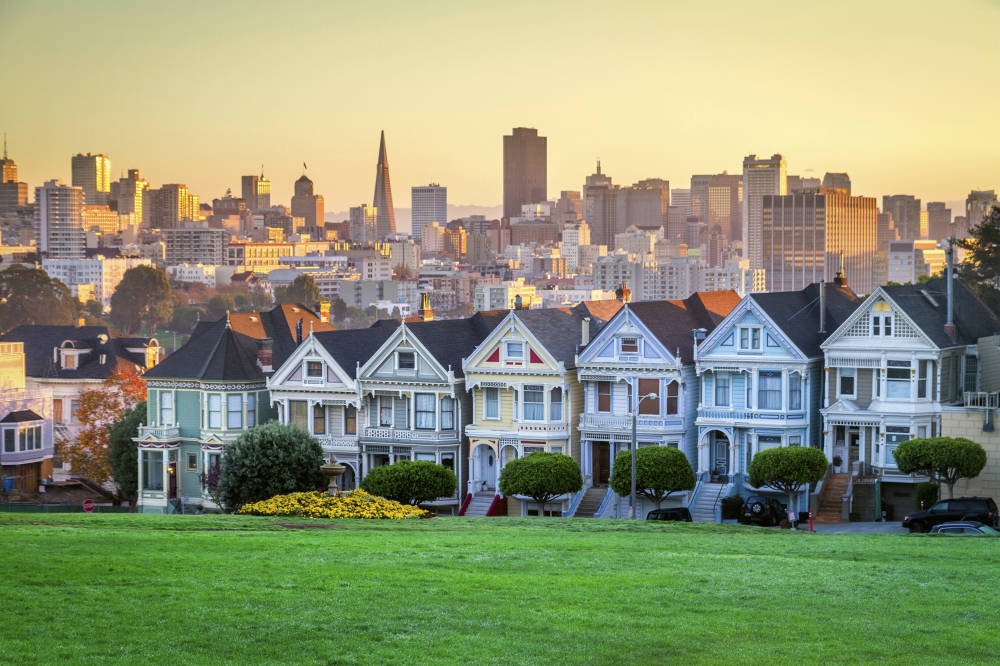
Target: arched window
<point>671,392</point>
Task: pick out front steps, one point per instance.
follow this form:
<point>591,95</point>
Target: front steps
<point>703,510</point>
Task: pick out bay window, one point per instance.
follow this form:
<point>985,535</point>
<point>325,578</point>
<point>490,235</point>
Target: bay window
<point>769,389</point>
<point>491,400</point>
<point>447,413</point>
<point>604,396</point>
<point>385,411</point>
<point>214,411</point>
<point>555,404</point>
<point>649,405</point>
<point>298,414</point>
<point>166,408</point>
<point>426,405</point>
<point>671,397</point>
<point>534,403</point>
<point>898,380</point>
<point>152,470</point>
<point>923,379</point>
<point>350,420</point>
<point>794,391</point>
<point>251,410</point>
<point>722,389</point>
<point>319,419</point>
<point>234,411</point>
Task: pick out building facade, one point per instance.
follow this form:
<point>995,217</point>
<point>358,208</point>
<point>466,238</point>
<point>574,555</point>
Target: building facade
<point>761,177</point>
<point>525,174</point>
<point>59,220</point>
<point>428,204</point>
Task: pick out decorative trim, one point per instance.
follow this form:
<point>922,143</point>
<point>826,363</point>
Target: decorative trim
<point>205,386</point>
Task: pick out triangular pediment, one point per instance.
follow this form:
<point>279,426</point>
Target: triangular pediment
<point>512,347</point>
<point>748,332</point>
<point>299,369</point>
<point>626,340</point>
<point>866,327</point>
<point>394,358</point>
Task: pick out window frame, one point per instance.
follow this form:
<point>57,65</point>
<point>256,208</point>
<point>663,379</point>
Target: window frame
<point>852,375</point>
<point>537,406</point>
<point>251,409</point>
<point>427,412</point>
<point>672,391</point>
<point>754,338</point>
<point>216,423</point>
<point>794,391</point>
<point>165,397</point>
<point>230,412</point>
<point>722,386</point>
<point>556,406</point>
<point>769,392</point>
<point>600,395</point>
<point>491,397</point>
<point>350,420</point>
<point>381,406</point>
<point>634,342</point>
<point>507,356</point>
<point>310,366</point>
<point>447,408</point>
<point>412,363</point>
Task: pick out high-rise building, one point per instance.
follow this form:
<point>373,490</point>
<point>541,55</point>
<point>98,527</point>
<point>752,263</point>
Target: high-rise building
<point>568,209</point>
<point>8,169</point>
<point>804,236</point>
<point>129,194</point>
<point>676,223</point>
<point>363,224</point>
<point>938,220</point>
<point>599,209</point>
<point>837,181</point>
<point>12,193</point>
<point>761,177</point>
<point>171,204</point>
<point>681,197</point>
<point>59,220</point>
<point>801,184</point>
<point>93,174</point>
<point>699,196</point>
<point>308,206</point>
<point>525,174</point>
<point>977,207</point>
<point>725,205</point>
<point>428,204</point>
<point>905,211</point>
<point>256,192</point>
<point>643,205</point>
<point>386,223</point>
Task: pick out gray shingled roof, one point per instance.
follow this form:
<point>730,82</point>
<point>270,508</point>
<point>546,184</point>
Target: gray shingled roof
<point>353,346</point>
<point>796,313</point>
<point>672,322</point>
<point>560,329</point>
<point>973,319</point>
<point>40,340</point>
<point>214,352</point>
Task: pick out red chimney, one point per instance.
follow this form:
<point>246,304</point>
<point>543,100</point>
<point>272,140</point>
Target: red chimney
<point>265,354</point>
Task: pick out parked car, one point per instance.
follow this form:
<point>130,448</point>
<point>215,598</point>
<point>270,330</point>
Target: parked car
<point>965,528</point>
<point>982,509</point>
<point>674,513</point>
<point>762,510</point>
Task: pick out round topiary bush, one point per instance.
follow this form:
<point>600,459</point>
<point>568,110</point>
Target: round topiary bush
<point>660,471</point>
<point>542,477</point>
<point>411,481</point>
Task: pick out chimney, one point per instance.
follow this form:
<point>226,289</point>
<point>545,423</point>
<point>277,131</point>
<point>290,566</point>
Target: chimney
<point>324,311</point>
<point>265,353</point>
<point>822,307</point>
<point>426,313</point>
<point>949,324</point>
<point>584,331</point>
<point>623,293</point>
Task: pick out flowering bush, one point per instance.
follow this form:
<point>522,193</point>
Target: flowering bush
<point>352,504</point>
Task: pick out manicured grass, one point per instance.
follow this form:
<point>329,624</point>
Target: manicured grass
<point>197,589</point>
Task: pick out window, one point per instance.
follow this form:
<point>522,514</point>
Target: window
<point>898,380</point>
<point>749,391</point>
<point>69,361</point>
<point>514,350</point>
<point>749,338</point>
<point>166,408</point>
<point>555,404</point>
<point>251,410</point>
<point>846,377</point>
<point>385,411</point>
<point>298,414</point>
<point>234,411</point>
<point>604,396</point>
<point>882,320</point>
<point>214,411</point>
<point>971,373</point>
<point>429,457</point>
<point>314,369</point>
<point>794,391</point>
<point>319,419</point>
<point>491,400</point>
<point>795,440</point>
<point>923,383</point>
<point>57,415</point>
<point>426,405</point>
<point>9,437</point>
<point>24,439</point>
<point>534,403</point>
<point>152,470</point>
<point>722,389</point>
<point>557,449</point>
<point>406,360</point>
<point>350,420</point>
<point>630,345</point>
<point>447,413</point>
<point>448,460</point>
<point>192,462</point>
<point>671,395</point>
<point>650,405</point>
<point>769,389</point>
<point>74,407</point>
<point>765,442</point>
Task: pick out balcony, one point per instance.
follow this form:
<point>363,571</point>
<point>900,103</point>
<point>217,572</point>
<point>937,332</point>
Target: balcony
<point>160,432</point>
<point>624,423</point>
<point>755,415</point>
<point>338,443</point>
<point>428,436</point>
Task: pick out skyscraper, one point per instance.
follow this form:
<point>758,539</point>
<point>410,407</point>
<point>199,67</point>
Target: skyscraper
<point>171,204</point>
<point>725,204</point>
<point>699,196</point>
<point>599,209</point>
<point>428,204</point>
<point>386,222</point>
<point>93,174</point>
<point>363,223</point>
<point>8,169</point>
<point>839,181</point>
<point>761,177</point>
<point>12,193</point>
<point>59,220</point>
<point>525,174</point>
<point>256,192</point>
<point>644,205</point>
<point>129,193</point>
<point>938,220</point>
<point>905,211</point>
<point>308,206</point>
<point>977,207</point>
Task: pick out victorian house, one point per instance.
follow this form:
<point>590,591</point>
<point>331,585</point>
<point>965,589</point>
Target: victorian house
<point>26,429</point>
<point>761,381</point>
<point>647,349</point>
<point>908,351</point>
<point>525,395</point>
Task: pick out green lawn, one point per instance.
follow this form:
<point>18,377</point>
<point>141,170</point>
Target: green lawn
<point>197,589</point>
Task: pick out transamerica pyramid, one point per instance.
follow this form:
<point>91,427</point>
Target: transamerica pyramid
<point>385,222</point>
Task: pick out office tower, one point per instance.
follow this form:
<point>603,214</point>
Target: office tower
<point>716,243</point>
<point>938,220</point>
<point>386,223</point>
<point>8,169</point>
<point>977,207</point>
<point>170,204</point>
<point>93,174</point>
<point>363,224</point>
<point>643,205</point>
<point>699,195</point>
<point>599,207</point>
<point>308,206</point>
<point>129,194</point>
<point>676,223</point>
<point>428,204</point>
<point>837,181</point>
<point>805,235</point>
<point>905,211</point>
<point>761,177</point>
<point>59,220</point>
<point>681,197</point>
<point>524,170</point>
<point>256,192</point>
<point>800,184</point>
<point>568,209</point>
<point>13,194</point>
<point>960,227</point>
<point>725,204</point>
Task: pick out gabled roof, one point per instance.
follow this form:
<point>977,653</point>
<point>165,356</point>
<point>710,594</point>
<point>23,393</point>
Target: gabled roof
<point>451,340</point>
<point>215,352</point>
<point>21,416</point>
<point>796,313</point>
<point>559,330</point>
<point>353,347</point>
<point>672,322</point>
<point>40,341</point>
<point>972,318</point>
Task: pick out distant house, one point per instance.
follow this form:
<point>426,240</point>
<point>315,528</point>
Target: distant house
<point>26,435</point>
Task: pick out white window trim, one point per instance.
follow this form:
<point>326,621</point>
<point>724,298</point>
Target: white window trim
<point>306,378</point>
<point>524,350</point>
<point>750,347</point>
<point>854,383</point>
<point>621,345</point>
<point>396,360</point>
<point>486,417</point>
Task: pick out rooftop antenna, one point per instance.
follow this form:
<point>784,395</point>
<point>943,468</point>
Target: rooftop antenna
<point>5,145</point>
<point>261,169</point>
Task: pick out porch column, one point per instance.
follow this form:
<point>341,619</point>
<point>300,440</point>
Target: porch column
<point>437,415</point>
<point>734,457</point>
<point>703,454</point>
<point>140,459</point>
<point>753,388</point>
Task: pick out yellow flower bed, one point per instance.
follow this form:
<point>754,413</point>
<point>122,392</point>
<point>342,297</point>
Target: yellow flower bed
<point>352,504</point>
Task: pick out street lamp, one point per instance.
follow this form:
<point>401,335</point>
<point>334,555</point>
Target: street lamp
<point>635,446</point>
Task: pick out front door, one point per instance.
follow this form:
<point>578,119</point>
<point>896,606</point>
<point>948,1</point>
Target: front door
<point>172,480</point>
<point>601,452</point>
<point>853,446</point>
<point>720,455</point>
<point>487,468</point>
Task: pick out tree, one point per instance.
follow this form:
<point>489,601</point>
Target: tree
<point>944,459</point>
<point>124,454</point>
<point>402,272</point>
<point>787,469</point>
<point>268,460</point>
<point>339,309</point>
<point>94,309</point>
<point>411,481</point>
<point>660,471</point>
<point>302,290</point>
<point>220,304</point>
<point>142,300</point>
<point>90,454</point>
<point>542,477</point>
<point>185,317</point>
<point>30,296</point>
<point>981,268</point>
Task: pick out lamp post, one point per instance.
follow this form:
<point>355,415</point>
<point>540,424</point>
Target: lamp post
<point>635,446</point>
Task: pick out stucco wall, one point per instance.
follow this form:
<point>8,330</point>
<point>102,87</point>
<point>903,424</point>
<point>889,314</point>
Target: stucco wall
<point>969,424</point>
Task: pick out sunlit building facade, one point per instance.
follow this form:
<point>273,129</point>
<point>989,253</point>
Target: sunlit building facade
<point>92,173</point>
<point>761,177</point>
<point>59,220</point>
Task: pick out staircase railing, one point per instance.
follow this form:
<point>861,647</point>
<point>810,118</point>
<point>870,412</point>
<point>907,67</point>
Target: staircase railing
<point>716,506</point>
<point>693,497</point>
<point>498,507</point>
<point>574,504</point>
<point>604,503</point>
<point>465,504</point>
<point>816,496</point>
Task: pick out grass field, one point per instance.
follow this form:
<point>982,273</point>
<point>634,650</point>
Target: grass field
<point>202,589</point>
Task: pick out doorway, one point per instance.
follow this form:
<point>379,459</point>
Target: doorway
<point>601,455</point>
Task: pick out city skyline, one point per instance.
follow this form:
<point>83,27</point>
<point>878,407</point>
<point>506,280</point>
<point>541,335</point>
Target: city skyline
<point>657,134</point>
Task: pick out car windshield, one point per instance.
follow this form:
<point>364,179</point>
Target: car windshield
<point>986,529</point>
<point>940,506</point>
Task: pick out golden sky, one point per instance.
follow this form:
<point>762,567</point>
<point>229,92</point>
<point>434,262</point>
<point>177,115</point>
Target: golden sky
<point>902,95</point>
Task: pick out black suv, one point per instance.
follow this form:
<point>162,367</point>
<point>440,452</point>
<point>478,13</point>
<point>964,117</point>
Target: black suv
<point>983,509</point>
<point>762,510</point>
<point>675,513</point>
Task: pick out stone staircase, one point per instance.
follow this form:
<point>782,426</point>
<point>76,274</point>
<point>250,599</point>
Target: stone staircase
<point>831,501</point>
<point>703,510</point>
<point>591,502</point>
<point>479,504</point>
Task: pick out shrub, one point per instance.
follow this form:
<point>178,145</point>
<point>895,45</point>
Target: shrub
<point>124,452</point>
<point>268,460</point>
<point>927,494</point>
<point>411,481</point>
<point>542,477</point>
<point>316,504</point>
<point>787,469</point>
<point>660,471</point>
<point>731,507</point>
<point>944,459</point>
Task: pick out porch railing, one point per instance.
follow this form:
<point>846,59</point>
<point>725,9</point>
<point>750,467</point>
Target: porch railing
<point>750,415</point>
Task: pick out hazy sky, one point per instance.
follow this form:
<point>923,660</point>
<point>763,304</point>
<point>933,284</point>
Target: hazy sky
<point>902,95</point>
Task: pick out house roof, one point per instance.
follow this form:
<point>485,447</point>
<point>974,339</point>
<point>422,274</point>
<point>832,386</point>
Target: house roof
<point>672,322</point>
<point>451,340</point>
<point>796,313</point>
<point>215,352</point>
<point>927,305</point>
<point>351,347</point>
<point>40,341</point>
<point>560,329</point>
<point>21,416</point>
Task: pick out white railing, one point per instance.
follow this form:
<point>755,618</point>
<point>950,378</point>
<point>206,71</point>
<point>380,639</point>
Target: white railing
<point>982,400</point>
<point>749,414</point>
<point>350,442</point>
<point>624,423</point>
<point>160,432</point>
<point>414,435</point>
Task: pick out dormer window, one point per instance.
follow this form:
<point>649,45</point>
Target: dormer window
<point>749,337</point>
<point>514,350</point>
<point>406,360</point>
<point>630,345</point>
<point>314,369</point>
<point>882,320</point>
<point>69,361</point>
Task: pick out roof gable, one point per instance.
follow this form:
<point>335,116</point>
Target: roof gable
<point>214,353</point>
<point>312,349</point>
